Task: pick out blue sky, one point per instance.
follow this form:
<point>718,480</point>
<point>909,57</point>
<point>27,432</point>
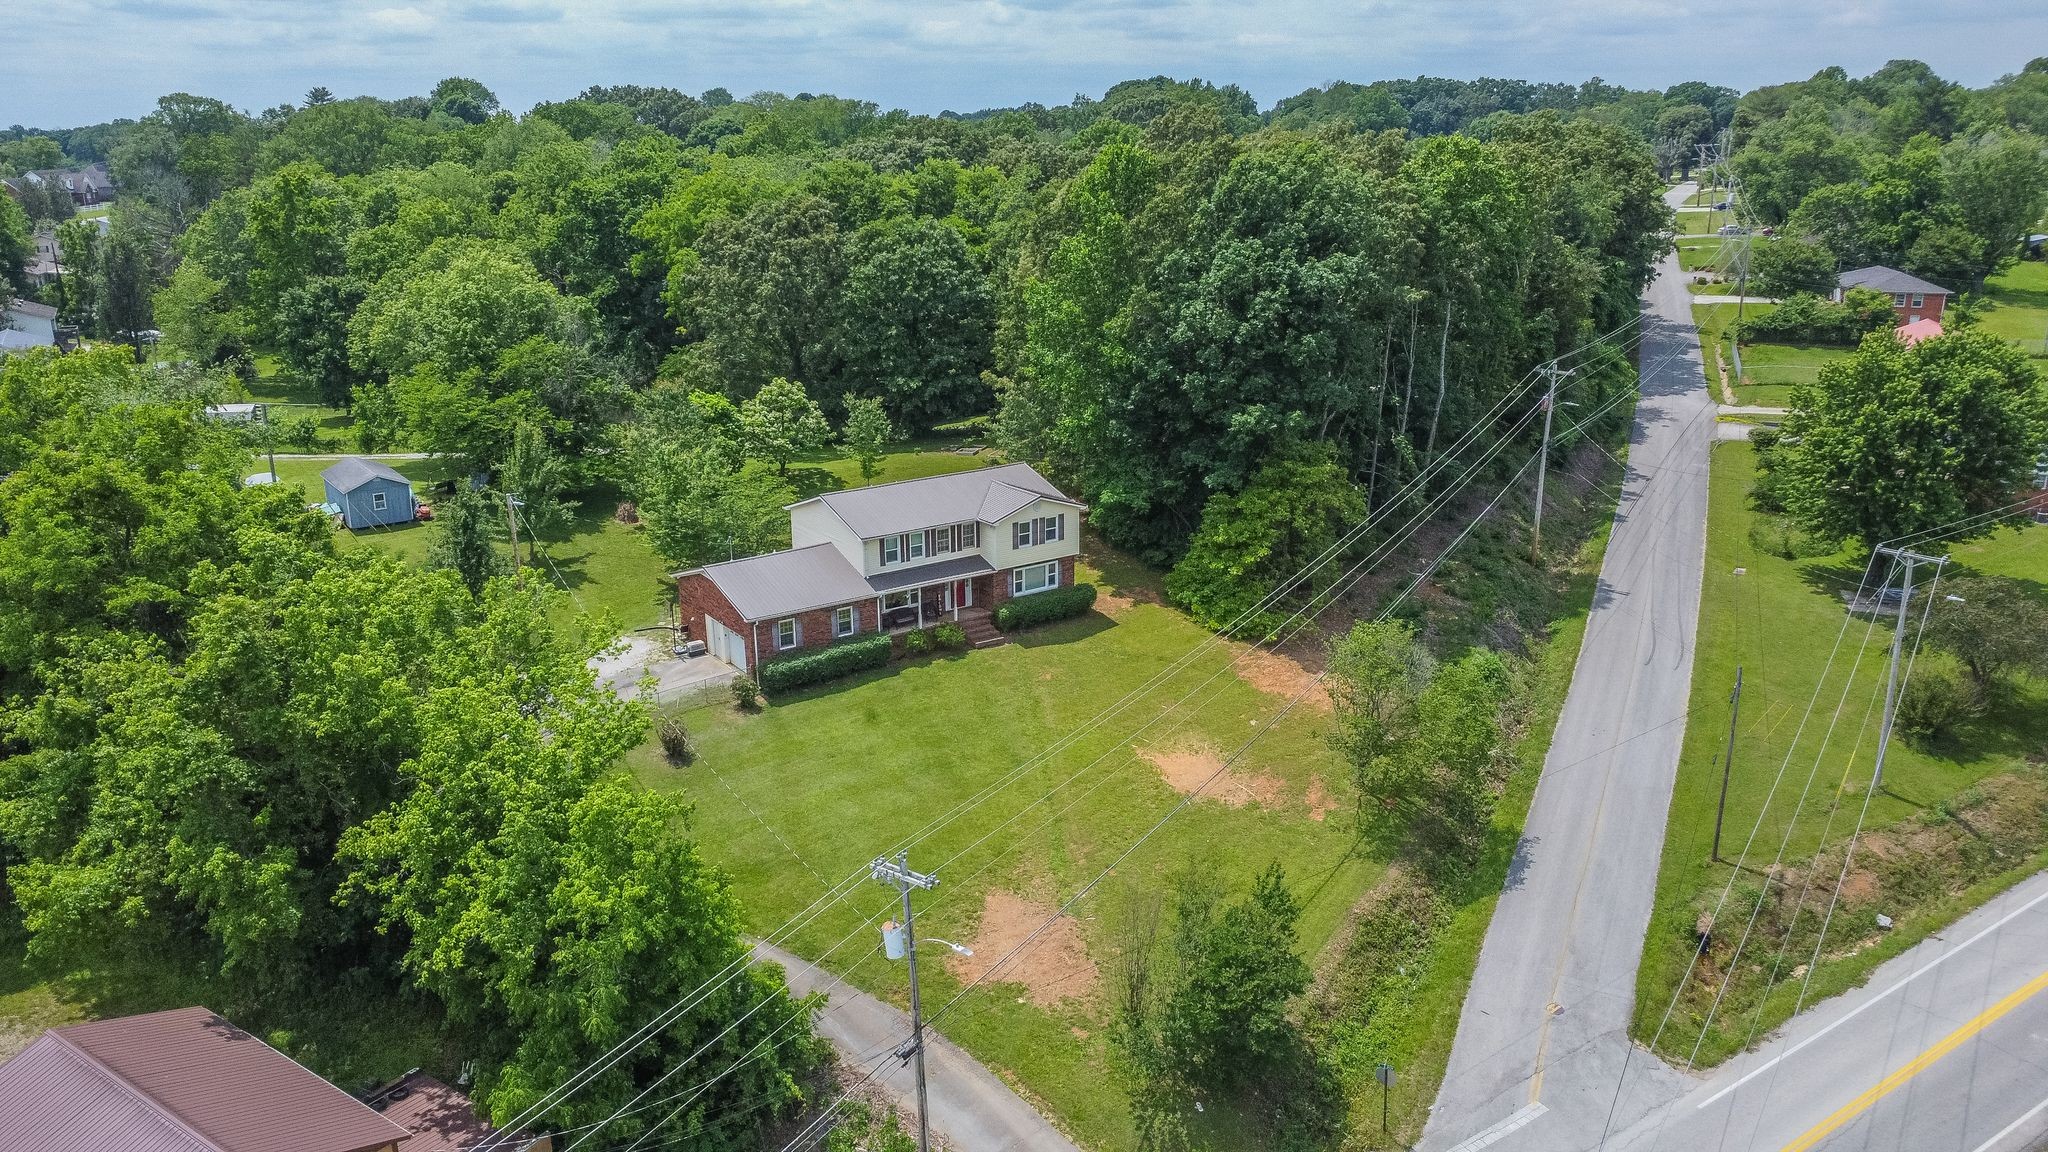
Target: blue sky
<point>81,61</point>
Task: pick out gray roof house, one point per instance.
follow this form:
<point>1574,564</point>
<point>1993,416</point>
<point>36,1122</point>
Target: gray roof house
<point>890,557</point>
<point>1912,298</point>
<point>27,324</point>
<point>369,494</point>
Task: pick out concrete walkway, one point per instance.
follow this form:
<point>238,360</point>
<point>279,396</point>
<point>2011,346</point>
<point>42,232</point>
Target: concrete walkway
<point>1543,1035</point>
<point>973,1109</point>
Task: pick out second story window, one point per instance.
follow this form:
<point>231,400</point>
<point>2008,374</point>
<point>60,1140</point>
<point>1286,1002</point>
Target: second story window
<point>970,534</point>
<point>892,550</point>
<point>1052,528</point>
<point>1020,533</point>
<point>1919,300</point>
<point>1899,299</point>
<point>916,545</point>
<point>942,540</point>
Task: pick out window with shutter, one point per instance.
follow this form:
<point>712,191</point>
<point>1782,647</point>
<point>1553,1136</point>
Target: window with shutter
<point>1022,532</point>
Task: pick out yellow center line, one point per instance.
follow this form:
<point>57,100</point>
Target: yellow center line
<point>1948,1043</point>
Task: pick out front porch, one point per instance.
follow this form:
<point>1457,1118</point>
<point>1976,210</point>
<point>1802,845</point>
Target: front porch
<point>959,600</point>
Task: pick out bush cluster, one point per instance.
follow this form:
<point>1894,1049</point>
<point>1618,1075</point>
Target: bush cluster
<point>871,651</point>
<point>1808,319</point>
<point>1042,607</point>
<point>949,636</point>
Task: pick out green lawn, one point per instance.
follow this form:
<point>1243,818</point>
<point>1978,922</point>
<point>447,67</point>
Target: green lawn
<point>1701,221</point>
<point>2016,304</point>
<point>1777,620</point>
<point>291,399</point>
<point>1770,370</point>
<point>818,783</point>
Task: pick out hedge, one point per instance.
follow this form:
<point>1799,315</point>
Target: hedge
<point>871,651</point>
<point>1041,607</point>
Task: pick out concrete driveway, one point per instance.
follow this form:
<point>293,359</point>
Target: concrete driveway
<point>648,656</point>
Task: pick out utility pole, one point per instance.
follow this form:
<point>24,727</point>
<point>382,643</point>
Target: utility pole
<point>1553,373</point>
<point>512,522</point>
<point>897,872</point>
<point>1891,684</point>
<point>1727,761</point>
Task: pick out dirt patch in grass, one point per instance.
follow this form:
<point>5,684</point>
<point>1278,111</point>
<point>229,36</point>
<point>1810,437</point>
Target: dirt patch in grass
<point>1278,674</point>
<point>1320,802</point>
<point>1190,765</point>
<point>1111,604</point>
<point>1054,967</point>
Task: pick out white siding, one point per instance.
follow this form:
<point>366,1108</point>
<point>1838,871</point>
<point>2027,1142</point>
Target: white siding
<point>997,539</point>
<point>813,523</point>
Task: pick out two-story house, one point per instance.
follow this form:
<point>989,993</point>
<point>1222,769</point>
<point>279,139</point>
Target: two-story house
<point>892,557</point>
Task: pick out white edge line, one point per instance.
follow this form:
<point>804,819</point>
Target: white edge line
<point>2009,1129</point>
<point>1852,1013</point>
<point>1520,1119</point>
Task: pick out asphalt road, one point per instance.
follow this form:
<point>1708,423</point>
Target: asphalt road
<point>1944,1049</point>
<point>1543,1036</point>
<point>971,1107</point>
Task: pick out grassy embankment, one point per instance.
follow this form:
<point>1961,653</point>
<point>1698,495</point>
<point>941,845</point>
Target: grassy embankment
<point>1954,822</point>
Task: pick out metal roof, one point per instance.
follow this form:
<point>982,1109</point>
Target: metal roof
<point>185,1080</point>
<point>1888,280</point>
<point>783,583</point>
<point>984,494</point>
<point>916,577</point>
<point>31,308</point>
<point>440,1118</point>
<point>352,472</point>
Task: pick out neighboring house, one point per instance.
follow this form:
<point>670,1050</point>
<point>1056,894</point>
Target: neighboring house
<point>28,325</point>
<point>369,494</point>
<point>892,557</point>
<point>45,268</point>
<point>88,185</point>
<point>1912,298</point>
<point>1918,330</point>
<point>185,1080</point>
<point>441,1119</point>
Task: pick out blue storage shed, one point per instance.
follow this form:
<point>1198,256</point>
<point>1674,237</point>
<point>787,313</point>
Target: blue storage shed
<point>368,493</point>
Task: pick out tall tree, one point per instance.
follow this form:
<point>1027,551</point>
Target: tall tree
<point>865,433</point>
<point>1892,440</point>
<point>782,422</point>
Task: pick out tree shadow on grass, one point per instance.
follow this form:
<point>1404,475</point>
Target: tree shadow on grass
<point>1062,631</point>
<point>809,481</point>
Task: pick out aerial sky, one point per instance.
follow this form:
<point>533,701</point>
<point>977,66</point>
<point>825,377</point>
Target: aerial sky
<point>83,61</point>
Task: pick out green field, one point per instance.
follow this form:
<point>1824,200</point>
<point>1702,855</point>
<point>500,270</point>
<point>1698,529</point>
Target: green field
<point>1701,221</point>
<point>1777,619</point>
<point>2016,305</point>
<point>813,787</point>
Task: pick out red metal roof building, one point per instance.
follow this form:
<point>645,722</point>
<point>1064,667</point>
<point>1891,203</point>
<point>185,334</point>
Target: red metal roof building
<point>440,1118</point>
<point>185,1080</point>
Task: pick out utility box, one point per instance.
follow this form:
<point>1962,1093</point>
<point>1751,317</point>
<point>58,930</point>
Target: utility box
<point>892,940</point>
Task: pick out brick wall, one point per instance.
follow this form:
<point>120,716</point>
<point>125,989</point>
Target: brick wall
<point>1001,580</point>
<point>697,597</point>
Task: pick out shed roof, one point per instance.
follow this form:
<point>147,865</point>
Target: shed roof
<point>1888,280</point>
<point>920,575</point>
<point>440,1118</point>
<point>781,583</point>
<point>31,308</point>
<point>352,472</point>
<point>185,1080</point>
<point>984,494</point>
<point>1925,328</point>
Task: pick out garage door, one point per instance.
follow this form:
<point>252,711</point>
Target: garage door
<point>725,643</point>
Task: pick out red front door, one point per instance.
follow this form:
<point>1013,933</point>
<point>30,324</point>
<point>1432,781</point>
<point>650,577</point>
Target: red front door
<point>963,594</point>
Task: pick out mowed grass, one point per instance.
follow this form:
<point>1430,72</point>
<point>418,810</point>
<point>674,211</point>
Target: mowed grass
<point>1778,621</point>
<point>816,785</point>
<point>1770,370</point>
<point>2016,305</point>
<point>1700,221</point>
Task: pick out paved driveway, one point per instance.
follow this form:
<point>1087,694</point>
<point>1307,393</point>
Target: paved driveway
<point>644,656</point>
<point>1544,1031</point>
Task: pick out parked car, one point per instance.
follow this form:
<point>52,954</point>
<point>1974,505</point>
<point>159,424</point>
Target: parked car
<point>1721,207</point>
<point>1732,230</point>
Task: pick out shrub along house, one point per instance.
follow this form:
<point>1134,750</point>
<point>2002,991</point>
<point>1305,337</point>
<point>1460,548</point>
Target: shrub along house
<point>891,558</point>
